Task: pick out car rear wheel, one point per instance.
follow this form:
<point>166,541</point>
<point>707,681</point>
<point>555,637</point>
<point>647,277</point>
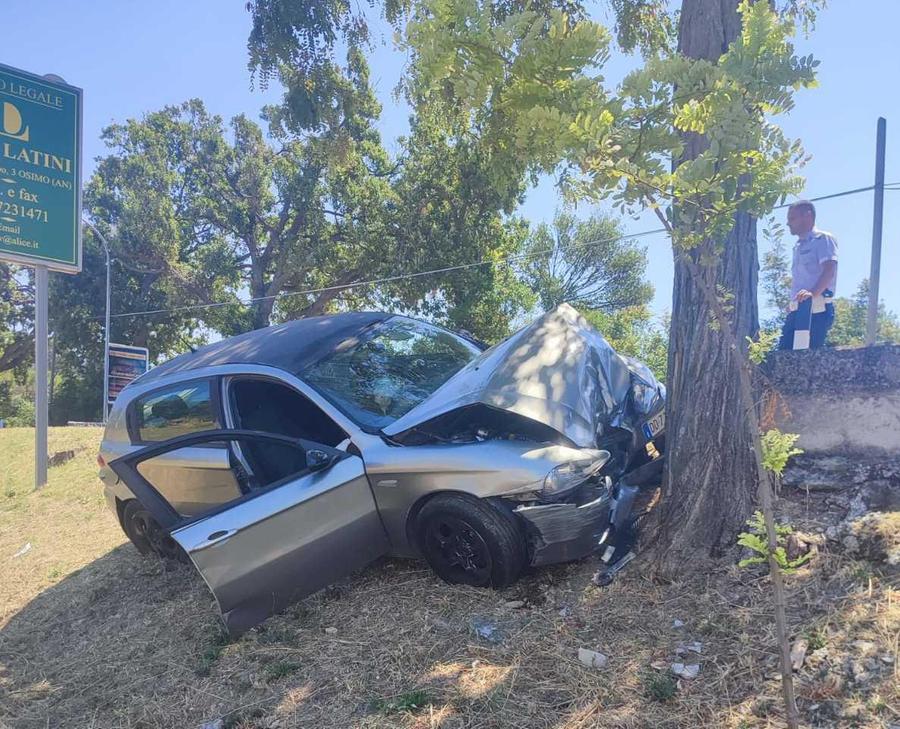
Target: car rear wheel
<point>469,541</point>
<point>147,535</point>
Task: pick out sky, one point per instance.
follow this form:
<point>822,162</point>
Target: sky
<point>132,58</point>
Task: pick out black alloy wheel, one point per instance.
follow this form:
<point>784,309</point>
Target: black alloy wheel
<point>457,552</point>
<point>471,541</point>
<point>147,535</point>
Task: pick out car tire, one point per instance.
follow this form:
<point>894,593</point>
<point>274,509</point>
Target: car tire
<point>469,541</point>
<point>147,535</point>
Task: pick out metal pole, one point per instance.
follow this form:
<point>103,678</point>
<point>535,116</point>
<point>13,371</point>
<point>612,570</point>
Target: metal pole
<point>105,405</point>
<point>40,376</point>
<point>877,223</point>
<point>106,342</point>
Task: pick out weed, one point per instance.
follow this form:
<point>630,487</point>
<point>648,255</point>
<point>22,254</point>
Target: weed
<point>816,638</point>
<point>411,701</point>
<point>218,641</point>
<point>280,669</point>
<point>659,686</point>
<point>862,573</point>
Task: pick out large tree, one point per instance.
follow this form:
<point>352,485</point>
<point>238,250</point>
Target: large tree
<point>16,316</point>
<point>589,263</point>
<point>688,136</point>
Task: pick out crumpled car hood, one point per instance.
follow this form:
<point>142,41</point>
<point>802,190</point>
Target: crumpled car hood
<point>558,371</point>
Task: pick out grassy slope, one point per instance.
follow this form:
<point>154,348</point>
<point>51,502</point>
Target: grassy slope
<point>66,522</point>
<point>91,635</point>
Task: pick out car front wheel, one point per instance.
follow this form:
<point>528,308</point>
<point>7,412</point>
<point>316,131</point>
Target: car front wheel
<point>469,541</point>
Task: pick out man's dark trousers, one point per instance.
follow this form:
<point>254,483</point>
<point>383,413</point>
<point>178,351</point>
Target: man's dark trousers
<point>818,328</point>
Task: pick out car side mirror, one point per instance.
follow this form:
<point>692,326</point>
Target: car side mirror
<point>317,460</point>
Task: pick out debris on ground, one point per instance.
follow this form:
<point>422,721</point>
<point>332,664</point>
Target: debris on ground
<point>689,670</point>
<point>514,604</point>
<point>23,551</point>
<point>592,659</point>
<point>487,629</point>
<point>798,653</point>
<point>60,457</point>
<point>331,630</point>
<point>676,624</point>
<point>694,647</point>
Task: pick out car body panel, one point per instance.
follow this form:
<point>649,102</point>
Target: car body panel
<point>558,371</point>
<point>402,477</point>
<point>269,549</point>
<point>193,480</point>
<point>567,530</point>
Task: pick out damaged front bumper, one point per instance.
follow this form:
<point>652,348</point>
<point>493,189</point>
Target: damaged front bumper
<point>567,530</point>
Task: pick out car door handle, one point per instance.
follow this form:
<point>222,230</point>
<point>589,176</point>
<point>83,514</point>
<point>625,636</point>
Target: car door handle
<point>216,537</point>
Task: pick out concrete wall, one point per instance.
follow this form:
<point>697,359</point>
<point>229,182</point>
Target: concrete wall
<point>840,400</point>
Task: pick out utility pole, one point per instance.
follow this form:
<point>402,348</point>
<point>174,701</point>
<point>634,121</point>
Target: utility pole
<point>877,225</point>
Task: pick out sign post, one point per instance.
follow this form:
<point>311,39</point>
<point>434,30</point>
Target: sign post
<point>124,364</point>
<point>40,202</point>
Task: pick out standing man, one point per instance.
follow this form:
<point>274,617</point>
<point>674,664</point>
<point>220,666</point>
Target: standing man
<point>813,279</point>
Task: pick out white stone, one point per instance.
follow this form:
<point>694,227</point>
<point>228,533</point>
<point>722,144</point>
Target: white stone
<point>592,659</point>
<point>689,671</point>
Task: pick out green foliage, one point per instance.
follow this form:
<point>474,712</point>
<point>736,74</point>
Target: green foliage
<point>16,317</point>
<point>280,669</point>
<point>776,277</point>
<point>16,403</point>
<point>756,540</point>
<point>777,449</point>
<point>659,686</point>
<point>409,702</point>
<point>850,317</point>
<point>758,349</point>
<point>589,264</point>
<point>529,82</point>
<point>816,637</point>
<point>648,25</point>
<point>632,331</point>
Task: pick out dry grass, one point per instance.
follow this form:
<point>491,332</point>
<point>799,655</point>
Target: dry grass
<point>113,640</point>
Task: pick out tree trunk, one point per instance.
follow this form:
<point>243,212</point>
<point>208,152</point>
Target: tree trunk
<point>710,477</point>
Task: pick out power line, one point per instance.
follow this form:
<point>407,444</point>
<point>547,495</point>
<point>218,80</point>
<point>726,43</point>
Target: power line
<point>447,269</point>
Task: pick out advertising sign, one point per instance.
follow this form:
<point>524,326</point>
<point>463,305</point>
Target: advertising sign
<point>126,363</point>
<point>40,171</point>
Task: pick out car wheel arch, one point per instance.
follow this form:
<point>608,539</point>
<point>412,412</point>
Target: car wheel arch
<point>413,514</point>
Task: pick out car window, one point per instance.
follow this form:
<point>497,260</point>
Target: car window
<point>272,407</point>
<point>384,376</point>
<point>177,410</point>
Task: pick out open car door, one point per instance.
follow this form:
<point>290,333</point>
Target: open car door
<point>309,521</point>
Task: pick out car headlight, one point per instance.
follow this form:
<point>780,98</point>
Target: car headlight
<point>567,476</point>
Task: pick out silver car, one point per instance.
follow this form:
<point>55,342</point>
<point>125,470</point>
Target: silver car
<point>281,460</point>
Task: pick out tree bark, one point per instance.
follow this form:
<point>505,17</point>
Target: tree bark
<point>711,477</point>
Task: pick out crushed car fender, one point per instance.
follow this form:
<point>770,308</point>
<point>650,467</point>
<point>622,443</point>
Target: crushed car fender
<point>565,531</point>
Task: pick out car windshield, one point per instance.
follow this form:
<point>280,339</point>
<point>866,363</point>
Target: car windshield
<point>379,377</point>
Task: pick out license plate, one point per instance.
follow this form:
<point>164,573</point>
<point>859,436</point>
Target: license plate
<point>655,426</point>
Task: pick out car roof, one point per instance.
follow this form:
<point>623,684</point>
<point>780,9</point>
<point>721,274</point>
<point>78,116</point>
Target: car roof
<point>290,346</point>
